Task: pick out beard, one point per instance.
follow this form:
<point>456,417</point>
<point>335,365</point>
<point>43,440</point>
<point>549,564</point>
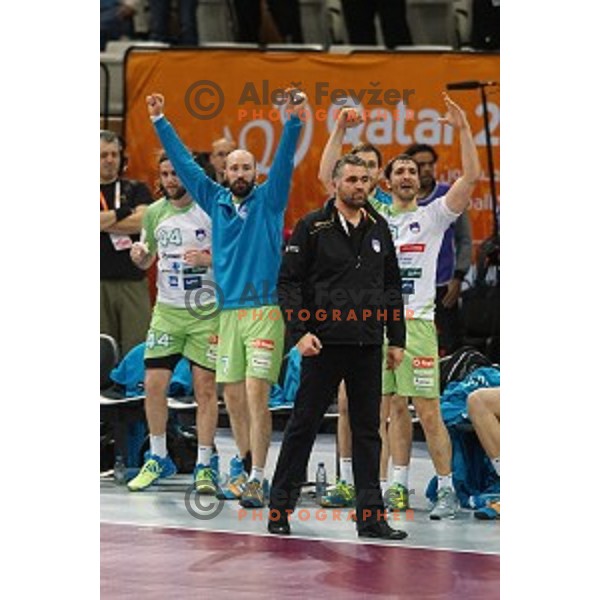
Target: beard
<point>405,194</point>
<point>241,188</point>
<point>356,200</point>
<point>177,194</point>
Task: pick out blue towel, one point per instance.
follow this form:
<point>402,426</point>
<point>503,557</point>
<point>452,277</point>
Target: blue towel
<point>130,372</point>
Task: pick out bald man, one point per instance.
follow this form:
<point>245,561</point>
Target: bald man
<point>247,237</point>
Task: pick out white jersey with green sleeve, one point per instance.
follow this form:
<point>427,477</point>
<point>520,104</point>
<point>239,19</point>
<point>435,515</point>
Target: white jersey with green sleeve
<point>417,236</point>
<point>169,231</point>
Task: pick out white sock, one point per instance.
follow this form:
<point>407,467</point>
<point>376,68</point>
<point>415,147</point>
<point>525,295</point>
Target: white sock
<point>204,454</point>
<point>257,473</point>
<point>158,445</point>
<point>444,481</point>
<point>400,475</point>
<point>346,473</point>
<point>496,463</point>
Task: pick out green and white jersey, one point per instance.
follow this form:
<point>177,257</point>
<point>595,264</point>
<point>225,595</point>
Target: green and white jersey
<point>417,236</point>
<point>169,232</point>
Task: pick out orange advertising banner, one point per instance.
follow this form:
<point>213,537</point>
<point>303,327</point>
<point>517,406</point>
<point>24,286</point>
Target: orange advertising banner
<point>236,94</point>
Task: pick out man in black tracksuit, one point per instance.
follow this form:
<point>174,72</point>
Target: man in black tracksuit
<point>339,284</point>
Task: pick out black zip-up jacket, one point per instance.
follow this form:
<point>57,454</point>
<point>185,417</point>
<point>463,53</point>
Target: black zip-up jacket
<point>327,288</point>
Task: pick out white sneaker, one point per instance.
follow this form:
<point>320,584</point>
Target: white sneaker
<point>446,505</point>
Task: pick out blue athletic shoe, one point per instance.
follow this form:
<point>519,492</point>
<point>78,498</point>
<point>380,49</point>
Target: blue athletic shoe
<point>237,479</point>
<point>254,494</point>
<point>214,464</point>
<point>482,500</point>
<point>489,512</point>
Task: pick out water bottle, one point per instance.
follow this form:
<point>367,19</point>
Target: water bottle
<point>119,471</point>
<point>320,481</point>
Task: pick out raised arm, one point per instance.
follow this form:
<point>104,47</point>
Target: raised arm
<point>347,118</point>
<point>457,198</point>
<point>280,173</point>
<point>201,187</point>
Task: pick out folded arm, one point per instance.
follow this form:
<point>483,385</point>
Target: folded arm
<point>130,224</point>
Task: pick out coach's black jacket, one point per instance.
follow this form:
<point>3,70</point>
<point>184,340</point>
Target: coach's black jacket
<point>321,272</point>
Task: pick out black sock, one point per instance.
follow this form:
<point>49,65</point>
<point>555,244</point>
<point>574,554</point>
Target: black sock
<point>247,460</point>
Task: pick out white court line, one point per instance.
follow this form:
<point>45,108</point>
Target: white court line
<point>397,544</point>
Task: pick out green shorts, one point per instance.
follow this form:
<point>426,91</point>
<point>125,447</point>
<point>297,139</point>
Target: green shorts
<point>176,331</point>
<point>418,373</point>
<point>250,344</point>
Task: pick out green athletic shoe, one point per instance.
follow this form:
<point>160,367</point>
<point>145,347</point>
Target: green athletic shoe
<point>205,481</point>
<point>340,495</point>
<point>396,498</point>
<point>154,468</point>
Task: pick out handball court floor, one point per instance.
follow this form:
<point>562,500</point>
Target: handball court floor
<point>154,544</point>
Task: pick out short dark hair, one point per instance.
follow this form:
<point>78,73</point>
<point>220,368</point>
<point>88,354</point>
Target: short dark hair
<point>347,159</point>
<point>415,148</point>
<point>110,136</point>
<point>366,147</point>
<point>390,165</point>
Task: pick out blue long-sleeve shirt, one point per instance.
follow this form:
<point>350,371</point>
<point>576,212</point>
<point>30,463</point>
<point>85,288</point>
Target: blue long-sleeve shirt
<point>247,241</point>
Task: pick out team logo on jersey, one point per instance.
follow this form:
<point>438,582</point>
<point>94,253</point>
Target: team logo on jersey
<point>423,362</point>
<point>264,344</point>
<point>412,248</point>
<point>415,227</point>
<point>200,234</point>
<point>376,245</point>
<point>192,283</point>
<point>423,382</point>
<point>261,362</point>
<point>408,286</point>
<point>411,273</point>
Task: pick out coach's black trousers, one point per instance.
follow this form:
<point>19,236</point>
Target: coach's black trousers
<point>360,367</point>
